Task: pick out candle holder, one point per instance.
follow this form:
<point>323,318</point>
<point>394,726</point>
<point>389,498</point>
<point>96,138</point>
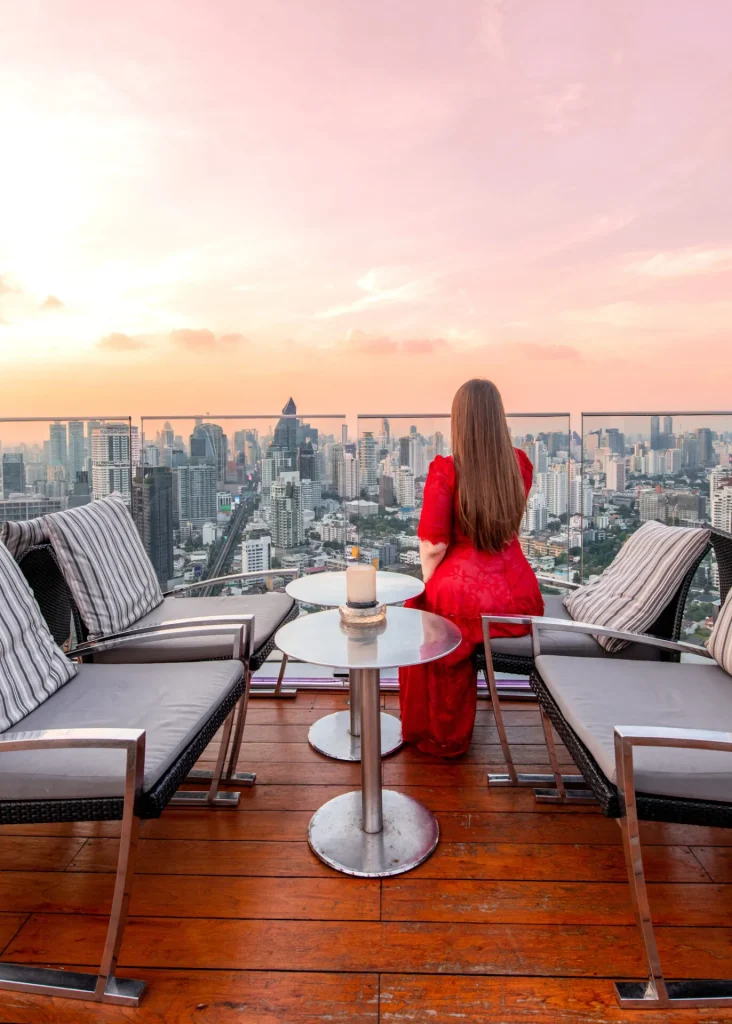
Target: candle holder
<point>362,615</point>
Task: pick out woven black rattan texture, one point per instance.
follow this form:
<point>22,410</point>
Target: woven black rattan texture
<point>650,807</point>
<point>722,544</point>
<point>150,805</point>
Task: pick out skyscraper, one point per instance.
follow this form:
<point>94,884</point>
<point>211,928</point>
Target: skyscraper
<point>307,462</point>
<point>152,510</point>
<point>403,451</point>
<point>77,449</point>
<point>58,450</point>
<point>404,485</point>
<point>656,439</point>
<point>13,475</point>
<point>285,516</point>
<point>387,496</point>
<point>209,444</point>
<point>110,456</point>
<point>706,439</point>
<point>439,443</point>
<point>367,460</point>
<point>196,485</point>
<point>344,434</point>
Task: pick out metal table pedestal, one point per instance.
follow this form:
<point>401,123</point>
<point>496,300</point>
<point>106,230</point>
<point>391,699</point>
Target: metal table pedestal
<point>339,735</point>
<point>374,833</point>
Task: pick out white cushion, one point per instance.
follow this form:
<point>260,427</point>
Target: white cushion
<point>640,581</point>
<point>32,667</point>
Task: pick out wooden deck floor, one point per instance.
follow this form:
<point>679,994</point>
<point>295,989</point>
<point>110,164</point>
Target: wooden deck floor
<point>522,916</point>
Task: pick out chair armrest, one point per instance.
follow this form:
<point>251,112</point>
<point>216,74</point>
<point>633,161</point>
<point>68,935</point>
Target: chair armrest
<point>132,741</point>
<point>629,736</point>
<point>557,581</point>
<point>242,626</point>
<point>539,622</point>
<point>254,575</point>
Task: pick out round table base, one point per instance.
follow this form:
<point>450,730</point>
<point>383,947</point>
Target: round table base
<point>409,836</point>
<point>330,736</point>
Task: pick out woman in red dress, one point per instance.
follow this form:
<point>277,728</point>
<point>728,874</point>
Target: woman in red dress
<point>472,564</point>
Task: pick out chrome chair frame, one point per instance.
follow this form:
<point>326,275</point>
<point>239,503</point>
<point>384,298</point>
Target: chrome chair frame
<point>102,987</point>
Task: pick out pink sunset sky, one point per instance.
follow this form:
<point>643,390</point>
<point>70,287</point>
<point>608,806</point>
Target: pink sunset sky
<point>213,205</point>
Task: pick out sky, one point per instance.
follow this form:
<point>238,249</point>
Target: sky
<point>211,206</point>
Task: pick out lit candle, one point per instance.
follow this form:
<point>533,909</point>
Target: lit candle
<point>361,584</point>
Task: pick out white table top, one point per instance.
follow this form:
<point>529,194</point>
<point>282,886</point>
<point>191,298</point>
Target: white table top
<point>411,637</point>
<point>328,589</point>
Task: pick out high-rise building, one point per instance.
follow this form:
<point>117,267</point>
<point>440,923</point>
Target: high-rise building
<point>256,553</point>
<point>196,486</point>
<point>580,497</point>
<point>386,431</point>
<point>77,449</point>
<point>403,451</point>
<point>706,438</point>
<point>722,509</point>
<point>286,518</point>
<point>439,443</point>
<point>152,510</point>
<point>80,493</point>
<point>344,434</point>
<point>557,497</point>
<point>615,473</point>
<point>535,515</point>
<point>404,484</point>
<point>657,441</point>
<point>58,448</point>
<point>209,444</point>
<point>387,495</point>
<point>652,504</point>
<point>347,480</point>
<point>307,462</point>
<point>367,460</point>
<point>615,440</point>
<point>110,457</point>
<point>13,475</point>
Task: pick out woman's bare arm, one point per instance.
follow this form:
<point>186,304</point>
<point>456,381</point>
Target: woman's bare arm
<point>430,555</point>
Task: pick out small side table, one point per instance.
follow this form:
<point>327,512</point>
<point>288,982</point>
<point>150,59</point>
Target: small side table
<point>339,735</point>
<point>373,833</point>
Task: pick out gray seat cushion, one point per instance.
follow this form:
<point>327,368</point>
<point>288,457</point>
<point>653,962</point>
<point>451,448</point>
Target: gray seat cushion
<point>269,611</point>
<point>171,702</point>
<point>554,641</point>
<point>690,696</point>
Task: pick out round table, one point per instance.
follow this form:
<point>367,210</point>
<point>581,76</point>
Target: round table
<point>339,735</point>
<point>373,833</point>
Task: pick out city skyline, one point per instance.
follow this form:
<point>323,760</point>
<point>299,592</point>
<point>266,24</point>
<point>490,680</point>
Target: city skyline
<point>384,200</point>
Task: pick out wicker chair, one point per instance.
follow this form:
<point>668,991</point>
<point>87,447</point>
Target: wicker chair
<point>667,626</point>
<point>65,762</point>
<point>40,567</point>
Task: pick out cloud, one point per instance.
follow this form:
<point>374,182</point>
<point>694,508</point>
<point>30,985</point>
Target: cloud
<point>5,287</point>
<point>683,263</point>
<point>381,289</point>
<point>560,111</point>
<point>531,350</point>
<point>52,302</point>
<point>117,342</point>
<point>377,344</point>
<point>203,340</point>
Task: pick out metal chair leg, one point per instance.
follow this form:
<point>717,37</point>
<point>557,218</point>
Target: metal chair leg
<point>560,793</point>
<point>212,798</point>
<point>280,691</point>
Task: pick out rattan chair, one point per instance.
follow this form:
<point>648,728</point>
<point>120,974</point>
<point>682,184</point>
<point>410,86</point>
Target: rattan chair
<point>116,743</point>
<point>667,626</point>
<point>270,611</point>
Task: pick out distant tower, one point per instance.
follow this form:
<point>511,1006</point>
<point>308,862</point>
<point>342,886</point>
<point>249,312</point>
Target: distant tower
<point>77,452</point>
<point>58,451</point>
<point>152,510</point>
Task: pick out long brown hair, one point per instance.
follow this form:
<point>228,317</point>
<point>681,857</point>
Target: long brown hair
<point>490,487</point>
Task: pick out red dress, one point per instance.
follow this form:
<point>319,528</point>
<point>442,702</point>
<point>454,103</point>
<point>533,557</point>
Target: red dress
<point>438,700</point>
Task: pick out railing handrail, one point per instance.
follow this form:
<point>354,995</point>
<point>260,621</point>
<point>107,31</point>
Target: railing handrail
<point>446,415</point>
<point>661,412</point>
<point>246,416</point>
<point>60,419</point>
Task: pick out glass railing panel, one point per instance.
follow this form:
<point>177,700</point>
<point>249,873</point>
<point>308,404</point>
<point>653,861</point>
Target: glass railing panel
<point>667,466</point>
<point>385,474</point>
<point>50,464</point>
<point>240,493</point>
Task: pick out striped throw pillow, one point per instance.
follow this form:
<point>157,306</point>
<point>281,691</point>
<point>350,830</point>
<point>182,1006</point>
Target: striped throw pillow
<point>18,537</point>
<point>32,667</point>
<point>640,581</point>
<point>104,564</point>
<point>719,643</point>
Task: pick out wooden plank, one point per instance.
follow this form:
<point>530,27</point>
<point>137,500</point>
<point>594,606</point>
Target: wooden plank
<point>285,826</point>
<point>437,798</point>
<point>404,774</point>
<point>484,754</point>
<point>327,899</point>
<point>215,997</point>
<point>284,733</point>
<point>324,772</point>
<point>580,827</point>
<point>37,853</point>
<point>716,862</point>
<point>81,829</point>
<point>421,999</point>
<point>550,862</point>
<point>9,924</point>
<point>566,951</point>
<point>551,903</point>
<point>199,857</point>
